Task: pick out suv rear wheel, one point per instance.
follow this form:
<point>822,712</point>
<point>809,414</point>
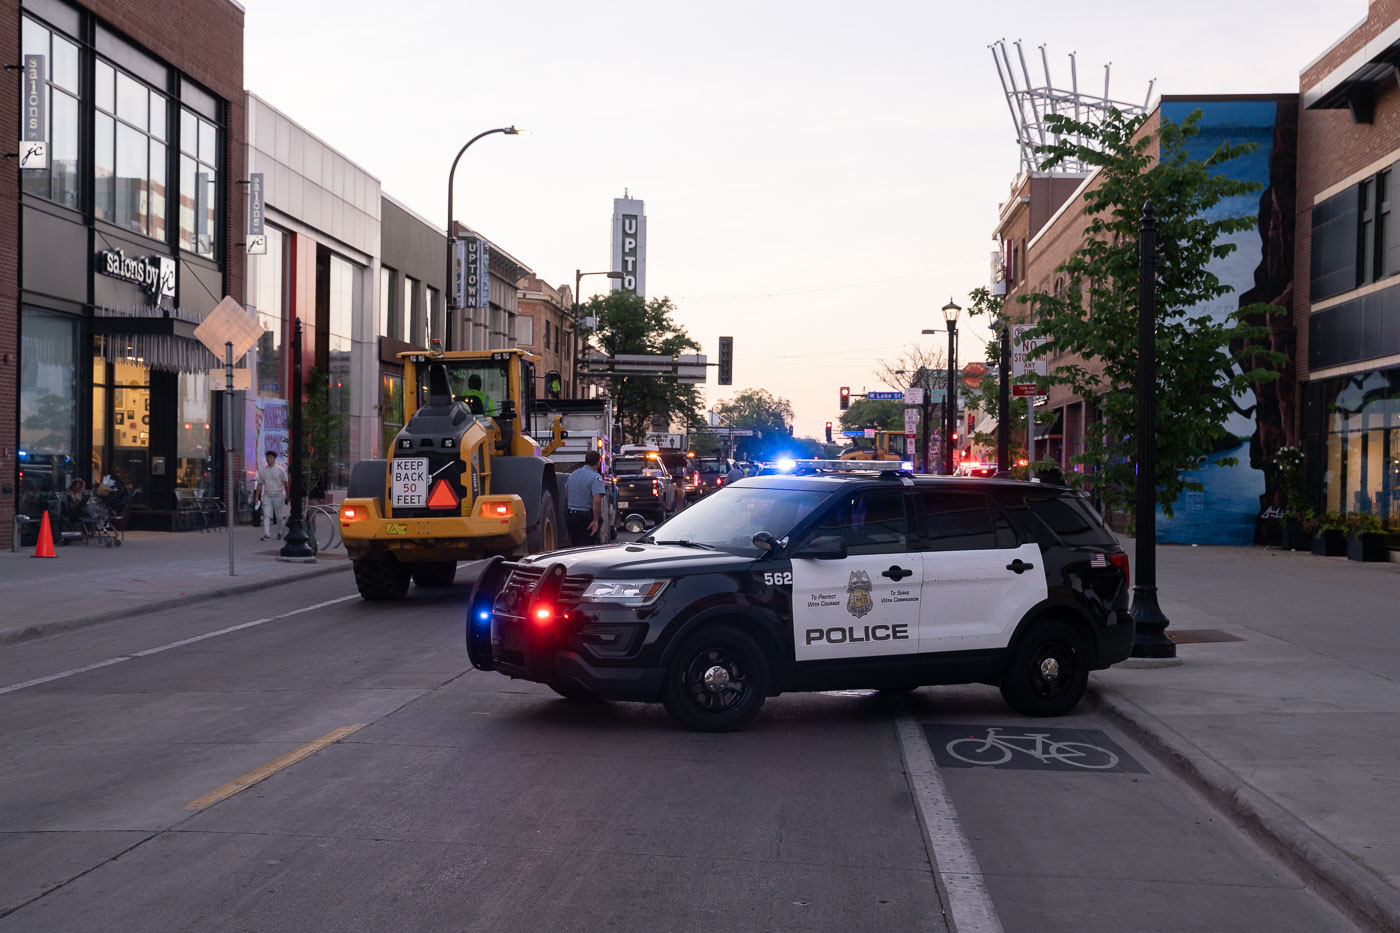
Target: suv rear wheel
<point>1048,670</point>
<point>717,681</point>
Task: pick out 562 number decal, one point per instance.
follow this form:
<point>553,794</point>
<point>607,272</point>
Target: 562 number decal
<point>778,579</point>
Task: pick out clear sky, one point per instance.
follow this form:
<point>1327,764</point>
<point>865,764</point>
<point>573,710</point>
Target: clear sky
<point>820,177</point>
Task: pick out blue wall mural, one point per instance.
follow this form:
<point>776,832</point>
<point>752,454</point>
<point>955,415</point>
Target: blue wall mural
<point>1227,510</point>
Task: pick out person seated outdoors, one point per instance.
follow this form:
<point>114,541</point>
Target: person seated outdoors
<point>73,505</point>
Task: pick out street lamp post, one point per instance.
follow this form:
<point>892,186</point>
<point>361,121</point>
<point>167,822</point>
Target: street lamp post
<point>950,314</point>
<point>295,547</point>
<point>578,284</point>
<point>450,285</point>
<point>1150,623</point>
<point>1003,333</point>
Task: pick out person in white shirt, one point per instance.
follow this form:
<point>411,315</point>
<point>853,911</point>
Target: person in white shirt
<point>272,490</point>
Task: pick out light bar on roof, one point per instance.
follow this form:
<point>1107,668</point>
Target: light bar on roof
<point>851,466</point>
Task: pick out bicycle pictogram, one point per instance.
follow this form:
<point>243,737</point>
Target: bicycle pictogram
<point>996,748</point>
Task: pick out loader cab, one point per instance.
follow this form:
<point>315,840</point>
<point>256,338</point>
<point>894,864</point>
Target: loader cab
<point>483,380</point>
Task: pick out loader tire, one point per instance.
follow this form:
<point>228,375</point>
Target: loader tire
<point>438,573</point>
<point>384,578</point>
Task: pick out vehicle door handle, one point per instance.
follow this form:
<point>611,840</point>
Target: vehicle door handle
<point>897,573</point>
<point>1019,566</point>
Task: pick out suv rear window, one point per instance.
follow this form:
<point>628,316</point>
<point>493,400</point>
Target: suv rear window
<point>1073,520</point>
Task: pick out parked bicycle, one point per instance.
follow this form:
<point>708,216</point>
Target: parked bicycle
<point>323,527</point>
<point>996,749</point>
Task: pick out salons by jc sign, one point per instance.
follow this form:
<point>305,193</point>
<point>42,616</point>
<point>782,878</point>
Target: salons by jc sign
<point>155,274</point>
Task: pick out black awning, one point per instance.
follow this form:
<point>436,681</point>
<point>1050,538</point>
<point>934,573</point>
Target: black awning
<point>1357,91</point>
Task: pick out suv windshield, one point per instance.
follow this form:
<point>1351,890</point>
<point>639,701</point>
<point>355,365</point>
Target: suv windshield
<point>729,519</point>
<point>713,466</point>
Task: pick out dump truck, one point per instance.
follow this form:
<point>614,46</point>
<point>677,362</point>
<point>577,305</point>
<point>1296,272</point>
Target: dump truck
<point>463,480</point>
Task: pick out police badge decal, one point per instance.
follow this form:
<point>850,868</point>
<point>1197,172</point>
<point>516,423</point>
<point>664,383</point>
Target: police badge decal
<point>859,603</point>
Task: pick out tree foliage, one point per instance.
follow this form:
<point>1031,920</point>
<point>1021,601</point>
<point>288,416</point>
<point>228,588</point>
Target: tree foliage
<point>863,413</point>
<point>1205,361</point>
<point>628,323</point>
<point>321,425</point>
<point>767,415</point>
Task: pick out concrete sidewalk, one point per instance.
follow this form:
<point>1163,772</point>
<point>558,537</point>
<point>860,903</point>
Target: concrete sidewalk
<point>1293,727</point>
<point>151,571</point>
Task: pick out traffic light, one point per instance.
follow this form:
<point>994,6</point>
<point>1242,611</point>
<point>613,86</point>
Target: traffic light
<point>553,384</point>
<point>726,361</point>
<point>828,432</point>
<point>845,397</point>
<point>789,430</point>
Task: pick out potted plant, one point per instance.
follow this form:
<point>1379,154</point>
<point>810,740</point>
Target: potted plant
<point>1330,535</point>
<point>1365,537</point>
<point>1293,485</point>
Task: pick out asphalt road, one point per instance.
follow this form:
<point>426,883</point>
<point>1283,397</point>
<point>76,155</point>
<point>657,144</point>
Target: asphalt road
<point>308,761</point>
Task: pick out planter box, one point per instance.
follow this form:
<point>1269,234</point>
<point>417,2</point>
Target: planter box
<point>1367,547</point>
<point>1330,544</point>
<point>1294,538</point>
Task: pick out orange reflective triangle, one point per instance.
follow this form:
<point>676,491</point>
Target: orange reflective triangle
<point>443,496</point>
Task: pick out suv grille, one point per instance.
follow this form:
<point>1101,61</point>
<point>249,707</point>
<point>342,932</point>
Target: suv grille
<point>522,580</point>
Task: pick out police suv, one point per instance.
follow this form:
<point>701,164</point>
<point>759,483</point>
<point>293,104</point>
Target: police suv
<point>837,575</point>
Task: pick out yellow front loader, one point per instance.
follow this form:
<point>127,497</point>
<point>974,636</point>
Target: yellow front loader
<point>462,480</point>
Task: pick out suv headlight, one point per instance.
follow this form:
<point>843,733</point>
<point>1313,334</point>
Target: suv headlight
<point>624,592</point>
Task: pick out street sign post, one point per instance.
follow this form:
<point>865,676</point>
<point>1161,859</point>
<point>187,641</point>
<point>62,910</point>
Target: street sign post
<point>1021,366</point>
<point>884,396</point>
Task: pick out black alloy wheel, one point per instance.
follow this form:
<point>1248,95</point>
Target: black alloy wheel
<point>717,681</point>
<point>1048,671</point>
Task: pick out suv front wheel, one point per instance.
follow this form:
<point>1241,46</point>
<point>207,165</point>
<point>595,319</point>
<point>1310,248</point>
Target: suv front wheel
<point>717,680</point>
<point>1048,670</point>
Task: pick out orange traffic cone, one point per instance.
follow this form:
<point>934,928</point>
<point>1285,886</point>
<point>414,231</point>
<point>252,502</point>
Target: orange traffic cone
<point>44,547</point>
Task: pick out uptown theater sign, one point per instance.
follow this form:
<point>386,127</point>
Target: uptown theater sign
<point>155,274</point>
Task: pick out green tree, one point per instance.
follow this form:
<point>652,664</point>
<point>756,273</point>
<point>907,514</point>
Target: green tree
<point>321,425</point>
<point>628,323</point>
<point>863,413</point>
<point>762,412</point>
<point>1205,361</point>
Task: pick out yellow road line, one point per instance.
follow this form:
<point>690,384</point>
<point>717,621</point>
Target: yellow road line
<point>272,767</point>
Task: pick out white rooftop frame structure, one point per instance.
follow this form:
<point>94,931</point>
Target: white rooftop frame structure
<point>1030,105</point>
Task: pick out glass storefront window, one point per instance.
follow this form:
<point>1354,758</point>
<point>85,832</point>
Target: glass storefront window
<point>269,298</point>
<point>131,426</point>
<point>199,183</point>
<point>1362,468</point>
<point>48,404</point>
<point>194,455</point>
<point>129,160</point>
<point>344,298</point>
<point>58,181</point>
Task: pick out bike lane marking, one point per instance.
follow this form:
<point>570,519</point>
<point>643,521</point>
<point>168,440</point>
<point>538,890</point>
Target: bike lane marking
<point>174,644</point>
<point>967,904</point>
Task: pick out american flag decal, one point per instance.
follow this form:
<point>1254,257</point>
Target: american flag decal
<point>1098,560</point>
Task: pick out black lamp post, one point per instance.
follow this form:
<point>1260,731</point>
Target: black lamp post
<point>1003,333</point>
<point>451,284</point>
<point>294,546</point>
<point>1150,624</point>
<point>950,314</point>
<point>578,283</point>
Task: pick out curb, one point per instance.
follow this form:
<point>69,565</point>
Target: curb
<point>43,629</point>
<point>1334,874</point>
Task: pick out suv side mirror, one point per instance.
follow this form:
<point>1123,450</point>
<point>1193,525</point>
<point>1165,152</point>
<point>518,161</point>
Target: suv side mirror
<point>829,547</point>
<point>764,541</point>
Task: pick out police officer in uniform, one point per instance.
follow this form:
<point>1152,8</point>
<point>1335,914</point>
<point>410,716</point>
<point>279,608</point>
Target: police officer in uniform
<point>584,498</point>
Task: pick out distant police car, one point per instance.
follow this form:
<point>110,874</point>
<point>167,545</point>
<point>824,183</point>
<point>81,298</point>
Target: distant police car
<point>837,575</point>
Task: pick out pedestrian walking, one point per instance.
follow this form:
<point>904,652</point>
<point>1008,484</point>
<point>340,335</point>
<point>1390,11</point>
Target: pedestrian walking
<point>272,490</point>
<point>583,495</point>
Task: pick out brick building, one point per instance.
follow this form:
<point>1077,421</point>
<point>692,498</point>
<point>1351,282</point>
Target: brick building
<point>545,325</point>
<point>1347,293</point>
<point>116,242</point>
